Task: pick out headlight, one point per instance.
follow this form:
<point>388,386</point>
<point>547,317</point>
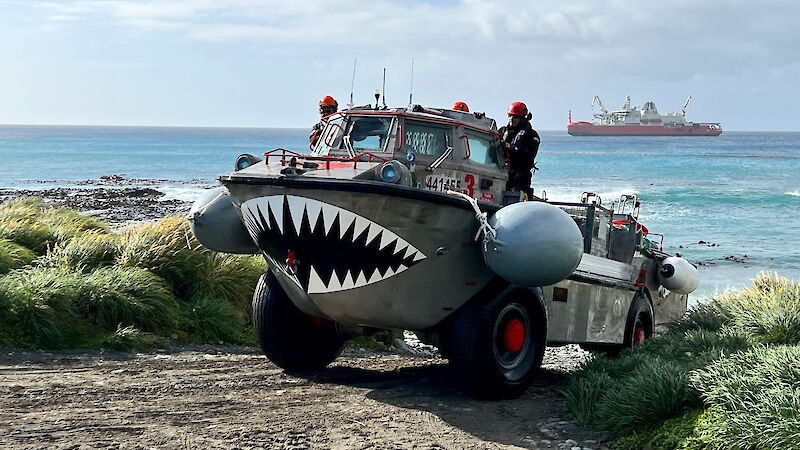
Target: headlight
<point>244,161</point>
<point>391,172</point>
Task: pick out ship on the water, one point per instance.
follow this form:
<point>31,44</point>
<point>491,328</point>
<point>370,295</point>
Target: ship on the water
<point>630,120</point>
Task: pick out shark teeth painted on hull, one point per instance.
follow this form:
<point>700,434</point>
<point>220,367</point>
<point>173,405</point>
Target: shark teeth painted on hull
<point>333,249</point>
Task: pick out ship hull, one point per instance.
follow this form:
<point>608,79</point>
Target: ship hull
<point>589,129</point>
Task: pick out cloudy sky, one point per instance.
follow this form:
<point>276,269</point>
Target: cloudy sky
<point>267,62</point>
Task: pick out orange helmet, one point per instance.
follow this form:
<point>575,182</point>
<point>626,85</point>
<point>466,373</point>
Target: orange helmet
<point>328,101</point>
<point>460,106</point>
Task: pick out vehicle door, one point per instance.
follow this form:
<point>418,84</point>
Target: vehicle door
<point>429,146</point>
<point>482,166</point>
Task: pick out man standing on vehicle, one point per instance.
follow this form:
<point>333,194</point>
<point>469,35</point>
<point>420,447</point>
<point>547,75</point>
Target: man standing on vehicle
<point>521,144</point>
<point>327,106</point>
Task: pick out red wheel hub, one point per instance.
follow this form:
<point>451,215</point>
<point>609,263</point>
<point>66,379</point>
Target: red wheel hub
<point>514,335</point>
<point>638,335</point>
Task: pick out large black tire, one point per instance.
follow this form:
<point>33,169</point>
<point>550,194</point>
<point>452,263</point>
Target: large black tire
<point>640,325</point>
<point>496,345</point>
<point>290,338</point>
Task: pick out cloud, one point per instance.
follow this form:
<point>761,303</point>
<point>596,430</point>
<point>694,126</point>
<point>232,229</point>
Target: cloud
<point>678,38</point>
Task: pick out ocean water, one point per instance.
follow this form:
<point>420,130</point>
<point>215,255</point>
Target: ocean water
<point>740,192</point>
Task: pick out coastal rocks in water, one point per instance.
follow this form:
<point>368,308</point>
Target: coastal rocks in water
<point>114,205</point>
<point>730,258</point>
<point>700,242</point>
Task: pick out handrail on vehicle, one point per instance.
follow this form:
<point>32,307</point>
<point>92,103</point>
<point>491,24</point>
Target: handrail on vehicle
<point>283,153</point>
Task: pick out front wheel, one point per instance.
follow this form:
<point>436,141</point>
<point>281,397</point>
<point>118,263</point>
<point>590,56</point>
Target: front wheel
<point>289,337</point>
<point>496,346</point>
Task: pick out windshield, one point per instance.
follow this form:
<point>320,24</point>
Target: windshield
<point>356,133</point>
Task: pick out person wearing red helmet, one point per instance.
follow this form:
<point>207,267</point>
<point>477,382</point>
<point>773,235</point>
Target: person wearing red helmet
<point>521,144</point>
<point>460,106</point>
<point>327,106</point>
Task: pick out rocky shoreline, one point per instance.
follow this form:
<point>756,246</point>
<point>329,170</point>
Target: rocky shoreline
<point>113,198</point>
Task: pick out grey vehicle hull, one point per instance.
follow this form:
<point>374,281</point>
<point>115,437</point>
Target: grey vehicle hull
<point>444,269</point>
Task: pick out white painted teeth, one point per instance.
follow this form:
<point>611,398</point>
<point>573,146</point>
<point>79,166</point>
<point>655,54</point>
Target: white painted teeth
<point>298,207</point>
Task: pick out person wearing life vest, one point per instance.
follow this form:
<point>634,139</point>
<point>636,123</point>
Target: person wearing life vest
<point>460,106</point>
<point>327,106</point>
<point>521,144</point>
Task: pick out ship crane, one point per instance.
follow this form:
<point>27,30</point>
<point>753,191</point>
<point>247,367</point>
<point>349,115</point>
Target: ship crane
<point>596,101</point>
<point>686,105</point>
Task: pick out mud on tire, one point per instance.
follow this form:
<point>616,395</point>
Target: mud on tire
<point>290,338</point>
<point>496,346</point>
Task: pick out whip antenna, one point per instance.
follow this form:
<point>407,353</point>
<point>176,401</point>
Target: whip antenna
<point>383,90</point>
<point>352,83</point>
<point>411,90</point>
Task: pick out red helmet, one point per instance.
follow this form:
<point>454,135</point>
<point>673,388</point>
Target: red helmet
<point>460,106</point>
<point>518,109</point>
<point>328,101</point>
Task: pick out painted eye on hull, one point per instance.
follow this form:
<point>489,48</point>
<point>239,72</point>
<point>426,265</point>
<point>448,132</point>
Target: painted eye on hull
<point>334,249</point>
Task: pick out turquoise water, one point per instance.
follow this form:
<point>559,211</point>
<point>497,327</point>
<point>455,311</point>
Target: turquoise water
<point>740,191</point>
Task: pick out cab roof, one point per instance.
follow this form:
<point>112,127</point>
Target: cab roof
<point>473,119</point>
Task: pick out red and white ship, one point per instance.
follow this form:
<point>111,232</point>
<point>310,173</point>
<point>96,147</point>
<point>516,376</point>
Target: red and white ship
<point>632,121</point>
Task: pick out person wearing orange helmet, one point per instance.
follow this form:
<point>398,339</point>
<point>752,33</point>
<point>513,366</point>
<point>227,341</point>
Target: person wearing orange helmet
<point>327,106</point>
<point>460,106</point>
<point>521,144</point>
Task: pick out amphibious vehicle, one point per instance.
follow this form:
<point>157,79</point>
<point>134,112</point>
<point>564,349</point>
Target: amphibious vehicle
<point>398,219</point>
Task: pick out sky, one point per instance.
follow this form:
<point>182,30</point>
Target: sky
<point>266,63</point>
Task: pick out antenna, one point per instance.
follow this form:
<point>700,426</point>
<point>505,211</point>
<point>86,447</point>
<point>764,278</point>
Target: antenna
<point>383,90</point>
<point>411,90</point>
<point>352,83</point>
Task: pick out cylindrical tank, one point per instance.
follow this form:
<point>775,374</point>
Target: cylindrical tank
<point>536,244</point>
<point>217,224</point>
<point>678,275</point>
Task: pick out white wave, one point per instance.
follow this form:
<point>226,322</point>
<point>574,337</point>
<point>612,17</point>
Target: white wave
<point>793,193</point>
<point>573,193</point>
<point>183,193</point>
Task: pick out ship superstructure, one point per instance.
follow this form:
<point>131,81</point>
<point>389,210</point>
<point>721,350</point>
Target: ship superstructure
<point>630,120</point>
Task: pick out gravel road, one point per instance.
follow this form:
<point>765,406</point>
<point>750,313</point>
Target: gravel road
<point>234,398</point>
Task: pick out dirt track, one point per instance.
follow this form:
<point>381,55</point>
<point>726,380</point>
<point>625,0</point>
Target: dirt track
<point>235,398</point>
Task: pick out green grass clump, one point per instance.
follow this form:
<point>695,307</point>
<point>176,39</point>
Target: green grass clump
<point>211,319</point>
<point>229,277</point>
<point>769,312</point>
<point>756,396</point>
<point>91,287</point>
<point>38,305</point>
<point>91,250</point>
<point>724,376</point>
<point>126,339</point>
<point>127,296</point>
<point>13,256</point>
<point>32,223</point>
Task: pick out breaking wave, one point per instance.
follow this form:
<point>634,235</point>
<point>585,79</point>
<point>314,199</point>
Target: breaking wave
<point>793,193</point>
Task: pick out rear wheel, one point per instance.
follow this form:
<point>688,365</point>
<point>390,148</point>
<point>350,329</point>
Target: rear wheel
<point>289,337</point>
<point>640,325</point>
<point>496,346</point>
<point>639,328</point>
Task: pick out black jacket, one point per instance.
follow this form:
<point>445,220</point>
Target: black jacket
<point>521,145</point>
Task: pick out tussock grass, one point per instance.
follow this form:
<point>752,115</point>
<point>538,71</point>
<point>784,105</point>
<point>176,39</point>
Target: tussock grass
<point>129,289</point>
<point>128,339</point>
<point>39,305</point>
<point>229,277</point>
<point>127,296</point>
<point>88,251</point>
<point>31,223</point>
<point>211,319</point>
<point>13,256</point>
<point>756,395</point>
<point>725,376</point>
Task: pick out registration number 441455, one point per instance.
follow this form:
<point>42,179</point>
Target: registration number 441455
<point>442,183</point>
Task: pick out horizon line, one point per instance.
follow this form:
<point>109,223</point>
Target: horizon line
<point>250,127</point>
